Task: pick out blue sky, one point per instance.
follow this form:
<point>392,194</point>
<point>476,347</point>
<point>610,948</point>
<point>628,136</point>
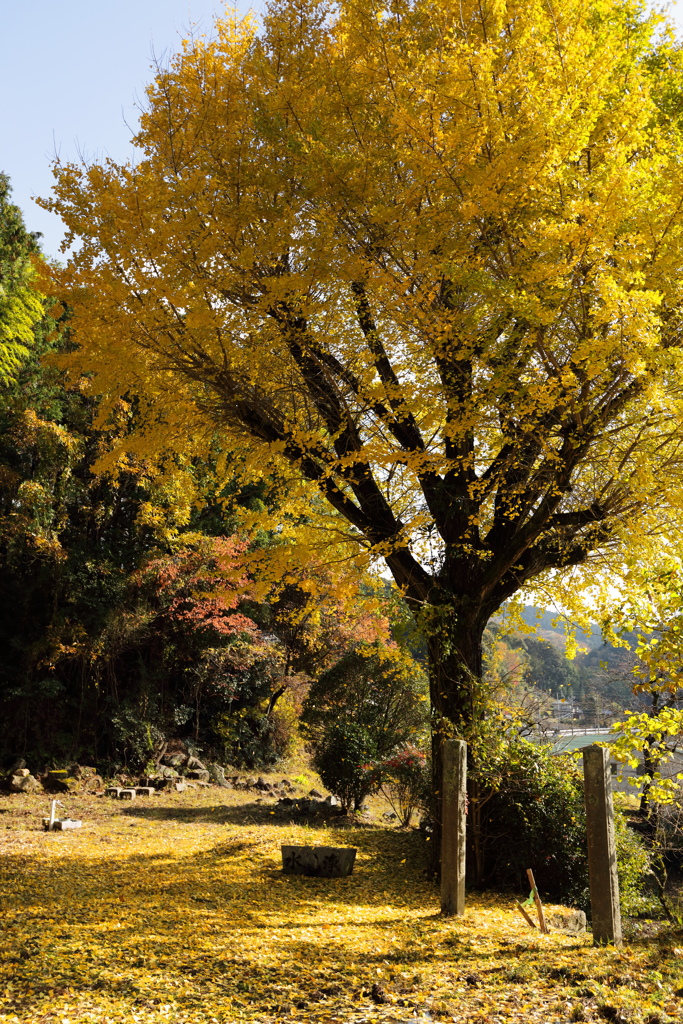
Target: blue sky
<point>70,74</point>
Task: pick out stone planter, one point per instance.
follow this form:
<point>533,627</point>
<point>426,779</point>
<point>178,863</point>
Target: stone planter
<point>318,861</point>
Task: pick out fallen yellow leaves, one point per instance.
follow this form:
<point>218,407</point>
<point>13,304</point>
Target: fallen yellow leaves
<point>176,911</point>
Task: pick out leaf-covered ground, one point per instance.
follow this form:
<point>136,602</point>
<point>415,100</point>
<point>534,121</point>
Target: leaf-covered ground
<point>175,911</point>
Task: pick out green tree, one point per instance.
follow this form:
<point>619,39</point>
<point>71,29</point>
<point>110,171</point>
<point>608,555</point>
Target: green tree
<point>21,306</point>
<point>380,689</point>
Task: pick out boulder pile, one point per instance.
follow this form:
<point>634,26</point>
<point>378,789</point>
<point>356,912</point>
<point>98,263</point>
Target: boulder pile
<point>176,770</point>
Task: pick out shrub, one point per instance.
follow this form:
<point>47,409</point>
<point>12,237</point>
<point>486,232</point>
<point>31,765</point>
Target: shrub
<point>404,778</point>
<point>378,688</point>
<point>345,760</point>
<point>633,863</point>
<point>527,810</point>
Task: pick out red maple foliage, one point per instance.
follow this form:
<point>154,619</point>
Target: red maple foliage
<point>201,586</point>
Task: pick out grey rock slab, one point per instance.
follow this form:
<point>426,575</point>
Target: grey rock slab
<point>572,921</point>
<point>318,861</point>
<point>24,784</point>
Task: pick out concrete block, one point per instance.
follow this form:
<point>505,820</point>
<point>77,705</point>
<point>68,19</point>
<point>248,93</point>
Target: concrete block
<point>60,824</point>
<point>318,861</point>
<point>566,920</point>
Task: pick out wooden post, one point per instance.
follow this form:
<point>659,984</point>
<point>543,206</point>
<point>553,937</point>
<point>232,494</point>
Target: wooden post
<point>537,901</point>
<point>524,914</point>
<point>602,854</point>
<point>453,807</point>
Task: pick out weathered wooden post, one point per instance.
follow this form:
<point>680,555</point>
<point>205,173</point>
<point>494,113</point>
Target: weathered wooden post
<point>454,803</point>
<point>602,853</point>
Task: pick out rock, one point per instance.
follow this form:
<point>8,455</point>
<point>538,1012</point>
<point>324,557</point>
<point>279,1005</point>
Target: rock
<point>194,762</point>
<point>179,787</point>
<point>23,773</point>
<point>566,920</point>
<point>167,773</point>
<point>198,773</point>
<point>14,765</point>
<point>612,1013</point>
<point>217,775</point>
<point>59,781</point>
<point>24,783</point>
<point>318,861</point>
<point>315,793</point>
<point>378,995</point>
<point>174,760</point>
<point>306,806</point>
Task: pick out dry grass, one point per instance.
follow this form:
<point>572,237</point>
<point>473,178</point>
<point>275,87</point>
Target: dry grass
<point>175,910</point>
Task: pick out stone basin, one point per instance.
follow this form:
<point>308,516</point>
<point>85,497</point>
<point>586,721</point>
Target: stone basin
<point>318,861</point>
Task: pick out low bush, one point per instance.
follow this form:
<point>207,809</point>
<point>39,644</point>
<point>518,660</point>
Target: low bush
<point>526,810</point>
<point>345,758</point>
<point>404,780</point>
<point>375,686</point>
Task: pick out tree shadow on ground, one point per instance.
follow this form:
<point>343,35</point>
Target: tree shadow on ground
<point>136,927</point>
<point>248,814</point>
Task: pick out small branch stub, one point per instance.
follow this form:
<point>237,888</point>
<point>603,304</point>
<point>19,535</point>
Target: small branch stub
<point>529,920</point>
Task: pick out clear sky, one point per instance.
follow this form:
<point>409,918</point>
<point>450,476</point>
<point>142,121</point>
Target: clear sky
<point>70,74</point>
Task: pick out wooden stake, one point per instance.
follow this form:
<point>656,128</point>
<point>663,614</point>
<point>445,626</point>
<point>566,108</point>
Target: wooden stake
<point>524,914</point>
<point>537,901</point>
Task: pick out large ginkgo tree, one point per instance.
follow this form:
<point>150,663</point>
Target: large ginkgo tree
<point>427,257</point>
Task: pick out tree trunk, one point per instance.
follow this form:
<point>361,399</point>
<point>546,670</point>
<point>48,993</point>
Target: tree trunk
<point>454,644</point>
